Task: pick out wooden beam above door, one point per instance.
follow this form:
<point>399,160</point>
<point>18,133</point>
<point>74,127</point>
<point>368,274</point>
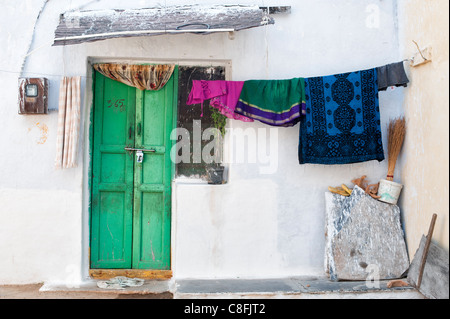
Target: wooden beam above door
<point>87,26</point>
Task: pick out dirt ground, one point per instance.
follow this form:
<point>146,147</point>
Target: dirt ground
<point>32,292</point>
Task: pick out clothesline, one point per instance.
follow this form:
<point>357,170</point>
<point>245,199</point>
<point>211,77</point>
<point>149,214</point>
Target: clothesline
<point>339,114</point>
<point>273,102</point>
<point>62,75</point>
<point>38,73</point>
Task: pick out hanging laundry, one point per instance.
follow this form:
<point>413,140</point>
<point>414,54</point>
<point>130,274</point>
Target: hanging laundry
<point>224,96</point>
<point>391,75</point>
<point>273,102</point>
<point>342,121</point>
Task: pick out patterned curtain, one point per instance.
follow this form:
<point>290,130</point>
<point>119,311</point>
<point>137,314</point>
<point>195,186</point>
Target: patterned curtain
<point>143,77</point>
<point>68,122</point>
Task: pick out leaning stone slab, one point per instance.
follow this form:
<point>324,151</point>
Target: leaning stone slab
<point>364,237</point>
<point>337,213</point>
<point>435,279</point>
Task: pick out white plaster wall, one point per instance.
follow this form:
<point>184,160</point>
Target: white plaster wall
<point>257,225</point>
<point>425,171</point>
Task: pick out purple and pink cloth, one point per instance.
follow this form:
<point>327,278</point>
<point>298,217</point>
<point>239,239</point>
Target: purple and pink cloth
<point>273,102</point>
<point>224,96</point>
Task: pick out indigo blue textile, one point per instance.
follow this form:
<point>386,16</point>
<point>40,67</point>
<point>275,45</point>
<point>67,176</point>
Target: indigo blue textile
<point>342,121</point>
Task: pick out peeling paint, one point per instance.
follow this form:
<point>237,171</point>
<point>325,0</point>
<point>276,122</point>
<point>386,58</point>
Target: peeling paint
<point>44,133</point>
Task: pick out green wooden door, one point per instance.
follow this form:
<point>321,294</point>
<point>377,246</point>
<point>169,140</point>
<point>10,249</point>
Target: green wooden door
<point>131,201</point>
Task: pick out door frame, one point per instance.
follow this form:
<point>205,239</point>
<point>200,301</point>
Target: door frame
<point>87,177</point>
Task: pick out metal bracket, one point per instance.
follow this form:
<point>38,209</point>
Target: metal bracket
<point>276,10</point>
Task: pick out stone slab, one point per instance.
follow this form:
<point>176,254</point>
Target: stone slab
<point>337,213</point>
<point>235,286</point>
<point>435,280</point>
<point>364,238</point>
<point>289,288</point>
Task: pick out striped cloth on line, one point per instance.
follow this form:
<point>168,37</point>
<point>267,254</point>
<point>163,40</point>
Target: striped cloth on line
<point>273,102</point>
<point>68,122</point>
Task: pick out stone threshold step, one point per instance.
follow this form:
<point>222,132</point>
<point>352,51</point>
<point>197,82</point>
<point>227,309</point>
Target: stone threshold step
<point>288,288</point>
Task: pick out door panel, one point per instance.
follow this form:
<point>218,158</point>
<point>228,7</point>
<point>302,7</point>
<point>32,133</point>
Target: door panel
<point>112,240</point>
<point>112,174</point>
<point>151,230</point>
<point>152,178</point>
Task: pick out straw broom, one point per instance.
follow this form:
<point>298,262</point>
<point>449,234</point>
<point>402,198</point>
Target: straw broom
<point>396,131</point>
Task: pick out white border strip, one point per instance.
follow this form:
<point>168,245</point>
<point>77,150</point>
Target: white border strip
<point>87,36</point>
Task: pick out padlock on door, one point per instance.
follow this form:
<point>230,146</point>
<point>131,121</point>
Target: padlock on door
<point>139,156</point>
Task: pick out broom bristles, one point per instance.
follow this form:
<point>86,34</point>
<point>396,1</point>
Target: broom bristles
<point>396,131</point>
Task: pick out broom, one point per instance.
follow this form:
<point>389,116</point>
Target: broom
<point>396,131</point>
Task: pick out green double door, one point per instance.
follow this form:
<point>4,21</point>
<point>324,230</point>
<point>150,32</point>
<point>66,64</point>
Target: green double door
<point>131,196</point>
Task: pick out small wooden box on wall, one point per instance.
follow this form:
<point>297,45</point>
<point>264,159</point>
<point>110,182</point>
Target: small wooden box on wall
<point>33,96</point>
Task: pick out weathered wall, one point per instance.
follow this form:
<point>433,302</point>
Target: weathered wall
<point>258,225</point>
<point>425,158</point>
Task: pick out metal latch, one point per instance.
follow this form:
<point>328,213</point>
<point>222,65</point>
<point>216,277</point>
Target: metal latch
<point>139,153</point>
<point>140,149</point>
<point>139,156</point>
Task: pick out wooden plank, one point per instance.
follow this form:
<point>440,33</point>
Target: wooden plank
<point>435,280</point>
<point>87,26</point>
<point>104,274</point>
<point>425,251</point>
<point>112,187</point>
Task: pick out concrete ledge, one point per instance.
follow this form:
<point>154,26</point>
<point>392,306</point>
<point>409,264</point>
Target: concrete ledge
<point>289,288</point>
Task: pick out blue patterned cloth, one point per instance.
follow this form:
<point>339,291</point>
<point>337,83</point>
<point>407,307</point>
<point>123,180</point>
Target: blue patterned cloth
<point>342,121</point>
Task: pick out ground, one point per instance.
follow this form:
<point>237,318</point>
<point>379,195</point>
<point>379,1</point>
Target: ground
<point>284,288</point>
